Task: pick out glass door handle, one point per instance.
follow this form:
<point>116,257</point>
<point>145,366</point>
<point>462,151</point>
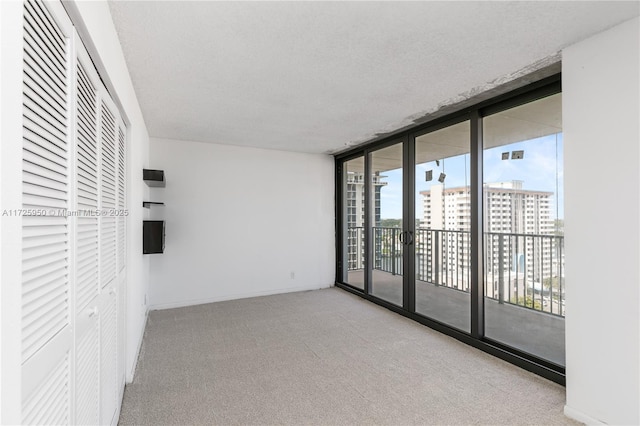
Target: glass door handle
<point>406,237</point>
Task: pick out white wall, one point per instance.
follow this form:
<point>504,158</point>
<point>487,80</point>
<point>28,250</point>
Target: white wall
<point>239,222</point>
<point>602,186</point>
<point>94,24</point>
<point>10,198</point>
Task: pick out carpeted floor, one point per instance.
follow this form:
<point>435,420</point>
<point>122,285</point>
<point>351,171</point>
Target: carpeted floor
<point>322,357</point>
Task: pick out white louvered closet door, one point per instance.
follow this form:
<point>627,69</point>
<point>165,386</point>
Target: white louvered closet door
<point>73,266</point>
<point>87,331</point>
<point>47,340</point>
<point>108,260</point>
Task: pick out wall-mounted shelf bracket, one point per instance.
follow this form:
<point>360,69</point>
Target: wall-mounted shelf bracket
<point>153,178</point>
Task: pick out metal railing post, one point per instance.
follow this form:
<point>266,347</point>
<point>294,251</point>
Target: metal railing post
<point>437,257</point>
<point>501,269</point>
<point>393,251</point>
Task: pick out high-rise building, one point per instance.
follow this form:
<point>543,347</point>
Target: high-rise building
<point>355,196</point>
<point>520,248</point>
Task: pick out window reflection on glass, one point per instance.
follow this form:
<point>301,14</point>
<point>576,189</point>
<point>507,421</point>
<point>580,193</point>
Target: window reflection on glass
<point>442,230</point>
<point>524,228</point>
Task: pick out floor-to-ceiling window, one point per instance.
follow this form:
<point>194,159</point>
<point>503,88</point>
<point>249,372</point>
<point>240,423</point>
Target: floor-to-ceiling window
<point>442,226</point>
<point>458,223</point>
<point>523,225</point>
<point>385,212</point>
<point>353,218</point>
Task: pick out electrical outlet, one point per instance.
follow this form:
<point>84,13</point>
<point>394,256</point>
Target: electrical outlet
<point>292,275</point>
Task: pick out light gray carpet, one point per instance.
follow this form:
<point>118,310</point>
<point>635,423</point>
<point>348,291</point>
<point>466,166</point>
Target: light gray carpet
<point>322,357</point>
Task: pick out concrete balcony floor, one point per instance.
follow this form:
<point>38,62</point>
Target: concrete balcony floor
<point>537,333</point>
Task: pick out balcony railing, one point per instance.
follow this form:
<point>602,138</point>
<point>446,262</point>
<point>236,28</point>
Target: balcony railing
<point>520,269</point>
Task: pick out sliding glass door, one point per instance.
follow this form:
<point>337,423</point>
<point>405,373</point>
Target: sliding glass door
<point>353,198</point>
<point>442,226</point>
<point>524,228</point>
<point>373,231</point>
<point>387,235</point>
<point>458,223</point>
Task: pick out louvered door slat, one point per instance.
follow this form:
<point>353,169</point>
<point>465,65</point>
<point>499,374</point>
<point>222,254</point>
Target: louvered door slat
<point>51,410</point>
<point>44,302</point>
<point>108,359</point>
<point>84,108</point>
<point>45,265</point>
<point>39,120</point>
<point>87,285</point>
<point>52,114</point>
<point>37,254</point>
<point>48,322</point>
<point>37,54</point>
<point>86,134</point>
<point>48,405</point>
<point>40,133</point>
<point>86,202</point>
<point>84,88</point>
<point>46,37</point>
<point>85,270</point>
<point>42,18</point>
<point>121,224</point>
<point>87,378</point>
<point>44,241</point>
<point>36,293</point>
<point>86,295</point>
<point>40,78</point>
<point>43,177</point>
<point>40,226</point>
<point>108,232</point>
<point>41,142</point>
<point>86,158</point>
<point>42,198</point>
<point>86,260</point>
<point>38,93</point>
<point>87,170</point>
<point>87,195</point>
<point>57,35</point>
<point>36,154</point>
<point>107,194</point>
<point>85,129</point>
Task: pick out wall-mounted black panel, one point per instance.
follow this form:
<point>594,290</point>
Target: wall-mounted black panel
<point>153,236</point>
<point>153,177</point>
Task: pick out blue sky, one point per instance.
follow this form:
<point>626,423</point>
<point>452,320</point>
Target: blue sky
<point>538,170</point>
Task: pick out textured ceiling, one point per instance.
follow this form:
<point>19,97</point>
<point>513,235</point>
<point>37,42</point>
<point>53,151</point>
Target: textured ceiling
<point>319,77</point>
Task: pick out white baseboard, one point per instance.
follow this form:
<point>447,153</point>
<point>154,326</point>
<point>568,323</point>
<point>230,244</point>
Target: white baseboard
<point>130,373</point>
<point>193,302</point>
<point>580,416</point>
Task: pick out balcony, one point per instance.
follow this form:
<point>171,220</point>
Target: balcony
<point>523,282</point>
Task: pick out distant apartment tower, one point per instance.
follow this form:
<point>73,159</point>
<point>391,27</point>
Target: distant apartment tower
<point>355,203</point>
<point>508,209</point>
<point>443,251</point>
